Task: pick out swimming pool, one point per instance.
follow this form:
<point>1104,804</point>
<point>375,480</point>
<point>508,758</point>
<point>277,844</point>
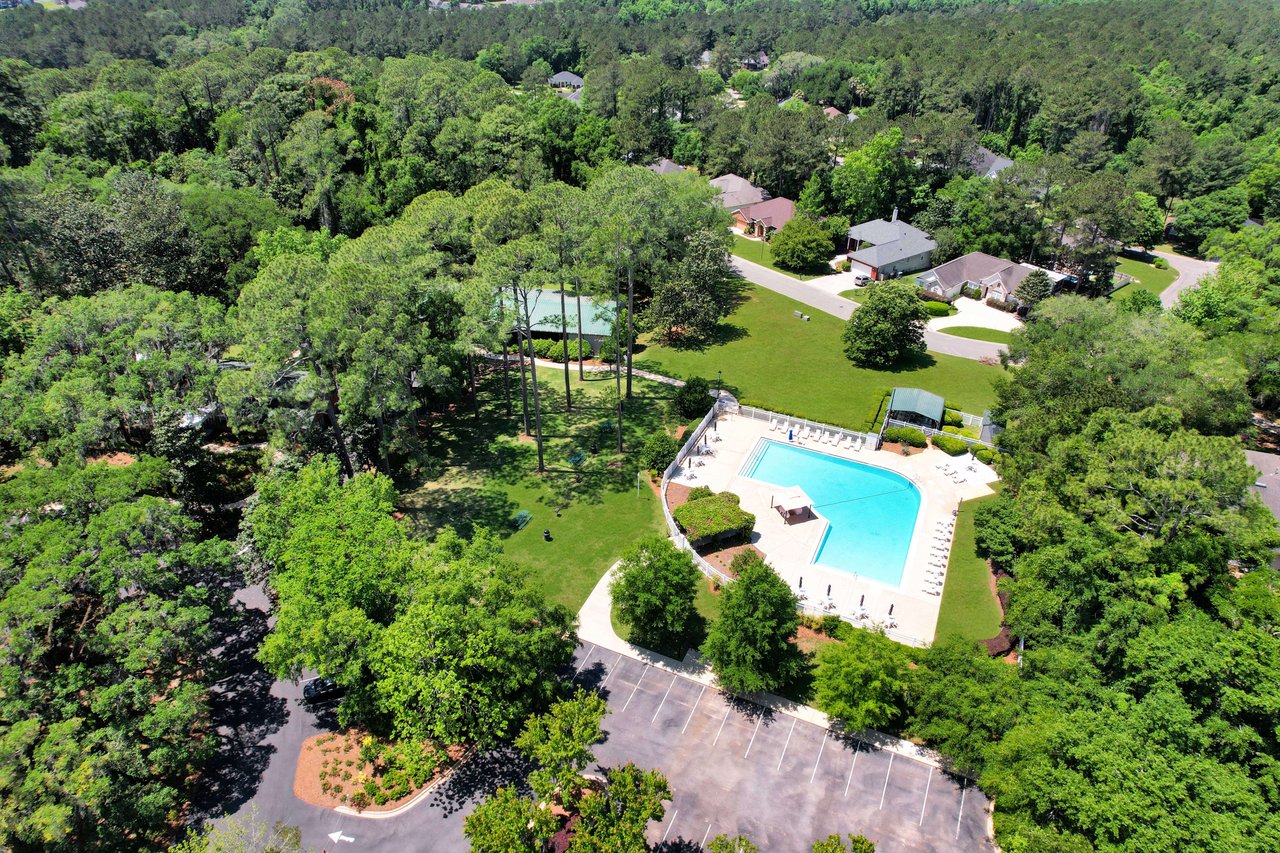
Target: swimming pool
<point>871,512</point>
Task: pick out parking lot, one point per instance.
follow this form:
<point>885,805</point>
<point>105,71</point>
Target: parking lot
<point>735,767</point>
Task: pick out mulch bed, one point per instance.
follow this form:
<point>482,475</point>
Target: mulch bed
<point>893,447</point>
<point>677,495</point>
<point>337,750</point>
<point>722,557</point>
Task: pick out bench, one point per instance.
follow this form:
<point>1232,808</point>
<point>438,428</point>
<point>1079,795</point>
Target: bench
<point>521,519</point>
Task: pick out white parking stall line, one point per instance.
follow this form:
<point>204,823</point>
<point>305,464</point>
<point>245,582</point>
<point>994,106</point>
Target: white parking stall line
<point>612,669</point>
<point>664,698</point>
<point>814,774</point>
<point>885,789</point>
<point>674,812</point>
<point>920,822</point>
<point>705,835</point>
<point>639,680</point>
<point>578,670</point>
<point>963,790</point>
<point>721,729</point>
<point>787,744</point>
<point>850,779</point>
<point>753,736</point>
<point>689,719</point>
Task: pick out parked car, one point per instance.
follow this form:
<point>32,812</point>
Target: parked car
<point>319,690</point>
<point>861,278</point>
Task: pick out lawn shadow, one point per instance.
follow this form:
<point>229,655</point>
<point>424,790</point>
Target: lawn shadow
<point>465,509</point>
<point>910,364</point>
<point>242,712</point>
<point>723,333</point>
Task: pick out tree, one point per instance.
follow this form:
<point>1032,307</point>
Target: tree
<point>108,603</point>
<point>653,591</point>
<point>872,178</point>
<point>888,328</point>
<point>737,844</point>
<point>616,817</point>
<point>560,742</point>
<point>246,833</point>
<point>1034,289</point>
<point>801,244</point>
<point>1146,220</point>
<point>1196,217</point>
<point>506,821</point>
<point>813,198</point>
<point>862,681</point>
<point>692,298</point>
<point>749,645</point>
<point>836,844</point>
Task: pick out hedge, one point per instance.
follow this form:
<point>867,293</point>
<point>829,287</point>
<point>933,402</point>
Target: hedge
<point>950,445</point>
<point>950,417</point>
<point>1001,304</point>
<point>987,456</point>
<point>713,517</point>
<point>770,407</point>
<point>697,493</point>
<point>937,309</point>
<point>906,435</point>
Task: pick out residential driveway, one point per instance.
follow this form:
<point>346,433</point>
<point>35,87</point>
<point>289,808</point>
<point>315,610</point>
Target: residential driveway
<point>1190,271</point>
<point>819,294</point>
<point>735,767</point>
<point>972,312</point>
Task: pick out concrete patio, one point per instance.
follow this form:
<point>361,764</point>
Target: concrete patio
<point>789,548</point>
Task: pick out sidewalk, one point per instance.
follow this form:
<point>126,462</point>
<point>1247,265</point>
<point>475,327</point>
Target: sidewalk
<point>596,627</point>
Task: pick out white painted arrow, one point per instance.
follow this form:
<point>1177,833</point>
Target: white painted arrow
<point>338,836</point>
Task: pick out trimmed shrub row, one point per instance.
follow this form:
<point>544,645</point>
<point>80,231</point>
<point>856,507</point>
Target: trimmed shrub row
<point>1001,304</point>
<point>950,445</point>
<point>952,418</point>
<point>553,350</point>
<point>909,436</point>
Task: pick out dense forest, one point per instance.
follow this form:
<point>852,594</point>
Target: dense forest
<point>302,221</point>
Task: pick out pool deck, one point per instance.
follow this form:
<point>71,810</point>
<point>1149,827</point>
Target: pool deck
<point>790,547</point>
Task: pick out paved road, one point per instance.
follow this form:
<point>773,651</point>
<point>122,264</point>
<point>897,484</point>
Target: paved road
<point>840,307</point>
<point>1190,271</point>
<point>735,767</point>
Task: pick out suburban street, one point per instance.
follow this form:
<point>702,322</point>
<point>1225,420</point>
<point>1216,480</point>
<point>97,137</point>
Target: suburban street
<point>834,304</point>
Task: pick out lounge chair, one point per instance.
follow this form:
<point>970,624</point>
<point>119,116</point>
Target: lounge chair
<point>933,591</point>
<point>773,425</point>
<point>829,437</point>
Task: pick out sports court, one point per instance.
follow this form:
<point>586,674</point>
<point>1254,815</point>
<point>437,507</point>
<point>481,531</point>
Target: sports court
<point>735,767</point>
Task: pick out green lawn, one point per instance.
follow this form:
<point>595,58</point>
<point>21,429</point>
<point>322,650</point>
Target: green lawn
<point>485,475</point>
<point>978,333</point>
<point>1145,277</point>
<point>758,251</point>
<point>776,360</point>
<point>968,608</point>
<point>856,295</point>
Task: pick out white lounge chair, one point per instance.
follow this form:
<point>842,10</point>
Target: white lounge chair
<point>773,425</point>
<point>831,437</point>
<point>857,447</point>
<point>933,591</point>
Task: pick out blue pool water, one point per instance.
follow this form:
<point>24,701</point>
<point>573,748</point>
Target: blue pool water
<point>872,512</point>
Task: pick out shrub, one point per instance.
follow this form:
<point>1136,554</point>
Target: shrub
<point>693,399</point>
<point>697,493</point>
<point>658,451</point>
<point>972,291</point>
<point>985,455</point>
<point>1160,263</point>
<point>1001,304</point>
<point>950,445</point>
<point>713,517</point>
<point>743,560</point>
<point>830,625</point>
<point>937,309</point>
<point>952,418</point>
<point>843,266</point>
<point>910,436</point>
<point>609,350</point>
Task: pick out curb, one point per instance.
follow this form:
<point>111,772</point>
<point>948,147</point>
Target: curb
<point>417,798</point>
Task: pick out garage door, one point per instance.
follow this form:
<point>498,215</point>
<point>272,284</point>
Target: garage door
<point>859,267</point>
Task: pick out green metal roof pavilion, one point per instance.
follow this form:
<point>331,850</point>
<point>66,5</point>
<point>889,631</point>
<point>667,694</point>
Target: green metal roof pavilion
<point>919,402</point>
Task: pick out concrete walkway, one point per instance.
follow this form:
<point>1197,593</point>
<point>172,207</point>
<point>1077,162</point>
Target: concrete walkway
<point>822,298</point>
<point>596,627</point>
<point>1190,271</point>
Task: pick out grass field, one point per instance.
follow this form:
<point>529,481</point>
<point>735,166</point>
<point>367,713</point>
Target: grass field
<point>486,474</point>
<point>1145,277</point>
<point>758,251</point>
<point>978,333</point>
<point>969,609</point>
<point>768,356</point>
<point>856,295</point>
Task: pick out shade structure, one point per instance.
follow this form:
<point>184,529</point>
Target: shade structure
<point>794,502</point>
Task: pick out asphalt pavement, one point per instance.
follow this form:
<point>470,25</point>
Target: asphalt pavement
<point>838,306</point>
<point>1190,271</point>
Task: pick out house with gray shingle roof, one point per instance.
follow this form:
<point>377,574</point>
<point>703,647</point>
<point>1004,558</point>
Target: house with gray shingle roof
<point>737,192</point>
<point>987,163</point>
<point>665,166</point>
<point>565,79</point>
<point>994,277</point>
<point>887,248</point>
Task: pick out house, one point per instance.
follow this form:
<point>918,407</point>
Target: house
<point>704,60</point>
<point>573,96</point>
<point>756,61</point>
<point>884,249</point>
<point>665,167</point>
<point>737,192</point>
<point>994,277</point>
<point>565,80</point>
<point>763,218</point>
<point>833,112</point>
<point>544,312</point>
<point>987,163</point>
